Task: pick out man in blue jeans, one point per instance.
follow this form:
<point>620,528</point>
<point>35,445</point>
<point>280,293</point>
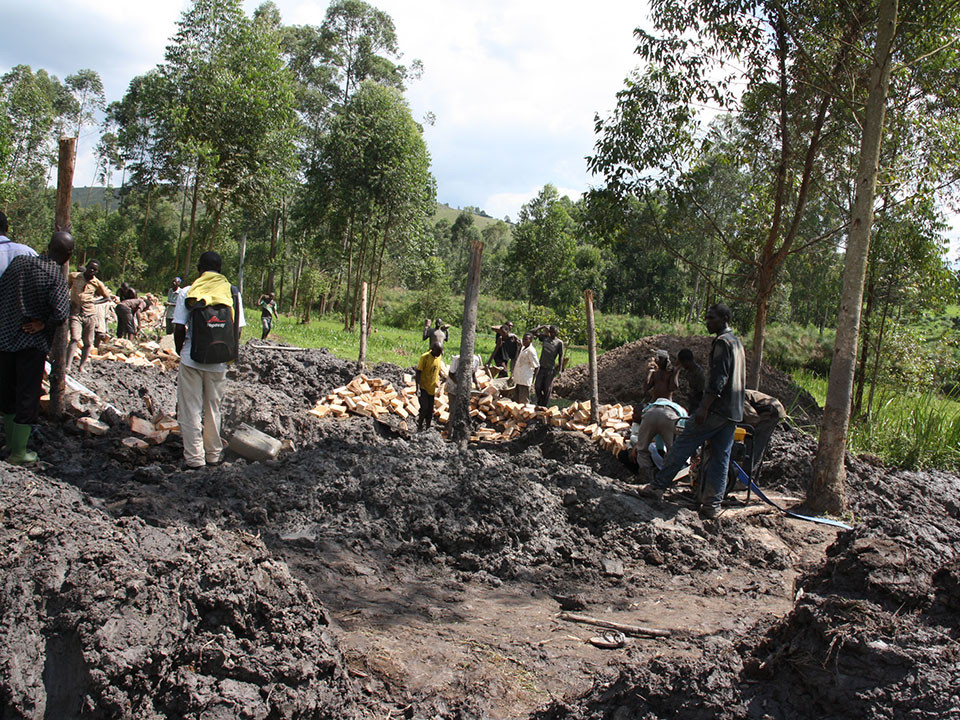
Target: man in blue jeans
<point>715,420</point>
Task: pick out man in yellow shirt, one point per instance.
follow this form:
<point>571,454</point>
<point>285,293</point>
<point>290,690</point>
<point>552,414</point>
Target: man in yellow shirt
<point>428,382</point>
<point>84,288</point>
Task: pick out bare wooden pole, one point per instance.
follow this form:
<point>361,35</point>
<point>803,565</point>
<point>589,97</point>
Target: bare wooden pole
<point>460,414</point>
<point>58,349</point>
<point>592,354</point>
<point>363,324</point>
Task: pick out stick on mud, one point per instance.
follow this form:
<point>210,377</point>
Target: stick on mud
<point>634,630</point>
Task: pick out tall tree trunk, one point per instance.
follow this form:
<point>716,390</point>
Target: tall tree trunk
<point>460,412</point>
<point>860,376</point>
<point>243,256</point>
<point>361,262</point>
<point>274,235</point>
<point>146,216</point>
<point>193,221</point>
<point>363,325</point>
<point>376,284</point>
<point>827,490</point>
<point>215,228</point>
<point>349,244</point>
<point>296,285</point>
<point>876,354</point>
<point>183,210</point>
<point>772,258</point>
<point>592,358</point>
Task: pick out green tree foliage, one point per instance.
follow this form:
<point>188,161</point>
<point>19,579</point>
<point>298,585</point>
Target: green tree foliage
<point>35,106</point>
<point>373,188</point>
<point>793,77</point>
<point>360,40</point>
<point>542,257</point>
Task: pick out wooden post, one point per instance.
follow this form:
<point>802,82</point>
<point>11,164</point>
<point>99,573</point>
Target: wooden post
<point>58,349</point>
<point>592,354</point>
<point>363,324</point>
<point>460,412</point>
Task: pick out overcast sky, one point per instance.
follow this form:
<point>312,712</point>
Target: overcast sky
<point>514,85</point>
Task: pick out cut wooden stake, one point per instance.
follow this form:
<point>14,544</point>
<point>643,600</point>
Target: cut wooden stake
<point>634,630</point>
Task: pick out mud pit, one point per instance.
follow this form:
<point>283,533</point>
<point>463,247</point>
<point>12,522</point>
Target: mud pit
<point>441,575</point>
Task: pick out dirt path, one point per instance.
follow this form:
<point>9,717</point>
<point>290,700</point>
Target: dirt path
<point>432,635</point>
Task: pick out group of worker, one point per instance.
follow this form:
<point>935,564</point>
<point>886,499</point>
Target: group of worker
<point>35,298</point>
<point>88,304</point>
<point>664,436</point>
<point>513,358</point>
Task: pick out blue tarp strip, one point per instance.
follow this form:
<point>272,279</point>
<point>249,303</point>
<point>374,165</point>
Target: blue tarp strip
<point>745,479</point>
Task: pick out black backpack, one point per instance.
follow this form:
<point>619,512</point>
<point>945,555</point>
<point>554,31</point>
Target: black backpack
<point>214,334</point>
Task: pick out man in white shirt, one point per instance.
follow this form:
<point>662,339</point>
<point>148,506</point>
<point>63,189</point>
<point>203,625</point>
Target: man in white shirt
<point>200,386</point>
<point>525,369</point>
<point>8,248</point>
<point>452,373</point>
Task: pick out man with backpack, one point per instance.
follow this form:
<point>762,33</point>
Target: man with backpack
<point>206,331</point>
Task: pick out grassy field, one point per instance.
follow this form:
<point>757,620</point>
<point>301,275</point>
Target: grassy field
<point>907,429</point>
<point>385,344</point>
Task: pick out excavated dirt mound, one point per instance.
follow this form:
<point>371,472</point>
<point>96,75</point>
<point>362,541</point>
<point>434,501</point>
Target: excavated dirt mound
<point>270,387</point>
<point>621,372</point>
<point>873,633</point>
<point>162,592</point>
<point>108,618</point>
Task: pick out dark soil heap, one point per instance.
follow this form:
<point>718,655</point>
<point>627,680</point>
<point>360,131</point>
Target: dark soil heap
<point>156,592</point>
<point>108,618</point>
<point>270,387</point>
<point>621,372</point>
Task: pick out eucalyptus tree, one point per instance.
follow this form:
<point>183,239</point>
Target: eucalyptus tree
<point>360,40</point>
<point>785,69</point>
<point>906,270</point>
<point>373,185</point>
<point>35,105</point>
<point>542,255</point>
<point>87,89</point>
<point>230,109</point>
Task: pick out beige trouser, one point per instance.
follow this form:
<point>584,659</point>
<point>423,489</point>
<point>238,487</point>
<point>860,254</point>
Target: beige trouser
<point>199,395</point>
<point>660,421</point>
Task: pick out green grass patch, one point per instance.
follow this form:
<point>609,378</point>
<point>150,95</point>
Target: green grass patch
<point>386,344</point>
<point>907,429</point>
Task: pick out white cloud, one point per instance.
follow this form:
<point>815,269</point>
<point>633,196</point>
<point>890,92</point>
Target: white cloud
<point>514,85</point>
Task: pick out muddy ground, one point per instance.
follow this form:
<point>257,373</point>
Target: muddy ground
<point>379,573</point>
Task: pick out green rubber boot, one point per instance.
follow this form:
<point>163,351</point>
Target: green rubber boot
<point>19,455</point>
<point>8,428</point>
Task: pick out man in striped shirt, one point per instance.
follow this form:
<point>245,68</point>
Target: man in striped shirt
<point>33,302</point>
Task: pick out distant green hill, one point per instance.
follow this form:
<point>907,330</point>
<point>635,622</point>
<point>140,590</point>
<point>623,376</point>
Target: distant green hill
<point>445,212</point>
<point>88,196</point>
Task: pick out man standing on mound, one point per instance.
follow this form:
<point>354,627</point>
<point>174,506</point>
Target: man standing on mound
<point>34,301</point>
<point>200,384</point>
<point>715,420</point>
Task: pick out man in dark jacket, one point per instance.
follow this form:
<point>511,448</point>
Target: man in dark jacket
<point>715,420</point>
<point>34,301</point>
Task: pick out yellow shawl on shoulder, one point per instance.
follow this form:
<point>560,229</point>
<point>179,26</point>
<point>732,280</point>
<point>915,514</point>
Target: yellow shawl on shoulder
<point>211,287</point>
